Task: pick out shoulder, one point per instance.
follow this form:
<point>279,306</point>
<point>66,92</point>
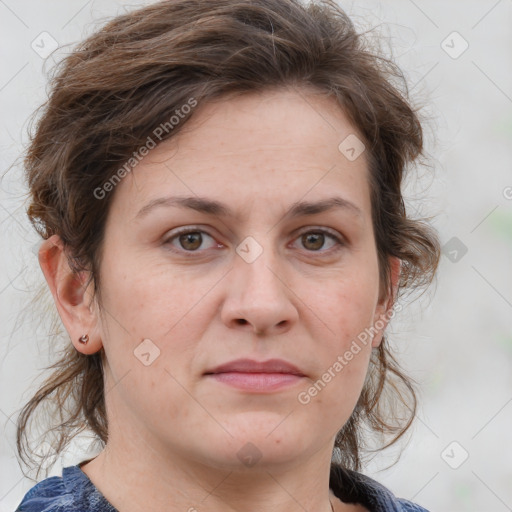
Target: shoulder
<point>353,487</point>
<point>49,495</point>
<point>71,492</point>
<point>409,506</point>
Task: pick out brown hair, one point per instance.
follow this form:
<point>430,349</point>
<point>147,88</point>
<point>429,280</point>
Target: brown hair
<point>108,96</point>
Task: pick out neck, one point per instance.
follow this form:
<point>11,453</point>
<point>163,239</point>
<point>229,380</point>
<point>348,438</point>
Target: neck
<point>132,483</point>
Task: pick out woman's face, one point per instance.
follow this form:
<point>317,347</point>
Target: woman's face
<point>282,266</point>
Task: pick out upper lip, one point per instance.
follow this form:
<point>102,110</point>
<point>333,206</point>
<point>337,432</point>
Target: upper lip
<point>251,366</point>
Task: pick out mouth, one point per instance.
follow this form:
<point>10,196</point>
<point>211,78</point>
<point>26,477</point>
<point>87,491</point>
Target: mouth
<point>255,376</point>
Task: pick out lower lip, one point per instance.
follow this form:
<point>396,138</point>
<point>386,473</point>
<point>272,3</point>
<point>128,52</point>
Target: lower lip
<point>257,381</point>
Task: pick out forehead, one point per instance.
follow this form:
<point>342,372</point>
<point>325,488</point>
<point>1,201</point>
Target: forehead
<point>305,121</point>
<point>270,144</point>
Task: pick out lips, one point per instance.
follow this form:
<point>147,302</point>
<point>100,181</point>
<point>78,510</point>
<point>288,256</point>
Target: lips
<point>249,376</point>
<point>251,366</point>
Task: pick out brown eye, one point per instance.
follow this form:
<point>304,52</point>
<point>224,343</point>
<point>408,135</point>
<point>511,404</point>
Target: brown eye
<point>191,241</point>
<point>313,241</point>
<point>321,241</point>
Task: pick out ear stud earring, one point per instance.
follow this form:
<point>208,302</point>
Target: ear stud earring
<point>84,338</point>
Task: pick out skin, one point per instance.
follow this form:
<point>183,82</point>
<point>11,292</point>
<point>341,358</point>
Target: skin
<point>174,433</point>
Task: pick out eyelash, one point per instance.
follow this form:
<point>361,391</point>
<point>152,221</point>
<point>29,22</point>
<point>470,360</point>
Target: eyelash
<point>337,239</point>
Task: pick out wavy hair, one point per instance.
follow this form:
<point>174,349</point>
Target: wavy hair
<point>108,95</point>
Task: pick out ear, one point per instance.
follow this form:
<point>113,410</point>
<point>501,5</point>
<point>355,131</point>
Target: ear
<point>385,305</point>
<point>74,302</point>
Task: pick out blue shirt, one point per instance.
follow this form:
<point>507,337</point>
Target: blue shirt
<point>74,492</point>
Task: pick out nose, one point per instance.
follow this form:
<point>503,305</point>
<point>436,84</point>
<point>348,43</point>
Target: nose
<point>258,299</point>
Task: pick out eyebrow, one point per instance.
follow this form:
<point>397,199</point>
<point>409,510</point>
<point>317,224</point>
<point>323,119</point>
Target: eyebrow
<point>212,207</point>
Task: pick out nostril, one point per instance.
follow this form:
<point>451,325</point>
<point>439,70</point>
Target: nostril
<point>241,321</point>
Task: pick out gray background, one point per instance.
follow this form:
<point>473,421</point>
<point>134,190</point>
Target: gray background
<point>456,340</point>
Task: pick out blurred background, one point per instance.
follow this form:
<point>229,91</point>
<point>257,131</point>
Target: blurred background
<point>455,341</point>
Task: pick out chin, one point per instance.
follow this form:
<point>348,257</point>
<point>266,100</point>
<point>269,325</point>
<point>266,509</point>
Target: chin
<point>259,440</point>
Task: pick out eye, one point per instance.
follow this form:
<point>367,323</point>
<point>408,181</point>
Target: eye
<point>190,240</point>
<point>315,240</point>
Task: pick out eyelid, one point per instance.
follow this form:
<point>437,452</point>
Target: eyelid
<point>321,229</point>
<point>189,228</point>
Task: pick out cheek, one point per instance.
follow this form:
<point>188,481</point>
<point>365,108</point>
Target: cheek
<point>349,307</point>
<point>148,298</point>
<point>141,305</point>
<point>151,303</point>
<point>349,311</point>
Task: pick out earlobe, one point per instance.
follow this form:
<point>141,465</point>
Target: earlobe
<point>72,299</point>
<point>384,309</point>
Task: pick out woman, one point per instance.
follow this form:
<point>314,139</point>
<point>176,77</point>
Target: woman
<point>218,189</point>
